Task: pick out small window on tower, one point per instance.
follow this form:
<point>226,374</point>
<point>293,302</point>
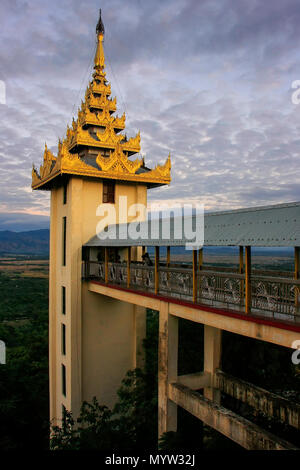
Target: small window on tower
<point>65,193</point>
<point>63,339</point>
<point>64,240</point>
<point>109,192</point>
<point>63,300</point>
<point>63,380</point>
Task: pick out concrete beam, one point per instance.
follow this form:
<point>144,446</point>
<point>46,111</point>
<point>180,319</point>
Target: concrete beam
<point>195,381</point>
<point>240,326</point>
<point>125,296</point>
<point>269,403</point>
<point>236,428</point>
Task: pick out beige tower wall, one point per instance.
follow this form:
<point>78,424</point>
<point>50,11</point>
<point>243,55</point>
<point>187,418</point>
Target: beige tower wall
<point>109,334</point>
<point>102,337</point>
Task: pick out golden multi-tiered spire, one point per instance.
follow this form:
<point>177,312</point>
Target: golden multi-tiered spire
<point>94,146</point>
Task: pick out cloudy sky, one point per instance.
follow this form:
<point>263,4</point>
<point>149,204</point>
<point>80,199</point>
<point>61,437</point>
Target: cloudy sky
<point>209,81</point>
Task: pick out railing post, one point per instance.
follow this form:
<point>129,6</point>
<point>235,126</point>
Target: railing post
<point>194,275</point>
<point>143,272</point>
<point>200,263</point>
<point>296,274</point>
<point>168,256</point>
<point>156,273</point>
<point>200,258</point>
<point>241,260</point>
<point>106,264</point>
<point>248,279</point>
<point>128,265</point>
<point>241,270</point>
<point>168,261</point>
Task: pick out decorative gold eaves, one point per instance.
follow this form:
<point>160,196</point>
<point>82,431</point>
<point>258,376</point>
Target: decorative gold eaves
<point>64,163</point>
<point>109,136</point>
<point>118,162</point>
<point>107,139</point>
<point>116,166</point>
<point>160,172</point>
<point>103,89</point>
<point>71,162</point>
<point>100,88</point>
<point>48,160</point>
<point>133,144</point>
<point>101,102</point>
<point>103,118</point>
<point>119,122</point>
<point>36,179</point>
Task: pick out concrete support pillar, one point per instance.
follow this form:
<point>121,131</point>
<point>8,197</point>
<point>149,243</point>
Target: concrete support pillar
<point>167,368</point>
<point>212,359</point>
<point>139,324</point>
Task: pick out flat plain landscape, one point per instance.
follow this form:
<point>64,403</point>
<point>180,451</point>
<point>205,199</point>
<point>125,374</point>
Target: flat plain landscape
<point>24,266</point>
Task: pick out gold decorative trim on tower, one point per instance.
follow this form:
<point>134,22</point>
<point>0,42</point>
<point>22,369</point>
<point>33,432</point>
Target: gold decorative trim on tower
<point>94,146</point>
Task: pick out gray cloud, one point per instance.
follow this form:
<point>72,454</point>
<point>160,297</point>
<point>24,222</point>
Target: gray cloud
<point>208,81</point>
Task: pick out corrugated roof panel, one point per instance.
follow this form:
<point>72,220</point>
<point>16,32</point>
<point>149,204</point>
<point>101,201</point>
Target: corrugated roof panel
<point>259,226</point>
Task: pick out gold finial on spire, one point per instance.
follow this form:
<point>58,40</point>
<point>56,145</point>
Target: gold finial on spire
<point>99,57</point>
<point>100,26</point>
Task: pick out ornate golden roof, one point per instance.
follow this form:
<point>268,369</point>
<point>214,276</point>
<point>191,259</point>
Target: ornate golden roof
<point>94,146</point>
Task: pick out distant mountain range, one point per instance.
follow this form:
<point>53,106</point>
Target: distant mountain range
<point>21,222</point>
<point>34,242</point>
<point>229,250</point>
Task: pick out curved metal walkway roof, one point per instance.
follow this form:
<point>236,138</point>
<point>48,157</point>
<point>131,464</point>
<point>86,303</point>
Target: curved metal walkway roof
<point>267,226</point>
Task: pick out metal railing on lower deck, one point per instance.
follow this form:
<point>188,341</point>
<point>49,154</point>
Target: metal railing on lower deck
<point>220,287</point>
<point>281,296</point>
<point>270,295</point>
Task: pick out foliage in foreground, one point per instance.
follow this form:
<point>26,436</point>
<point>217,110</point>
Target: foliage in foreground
<point>129,426</point>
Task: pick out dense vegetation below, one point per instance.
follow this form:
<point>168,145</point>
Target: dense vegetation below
<point>24,378</point>
<point>132,424</point>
